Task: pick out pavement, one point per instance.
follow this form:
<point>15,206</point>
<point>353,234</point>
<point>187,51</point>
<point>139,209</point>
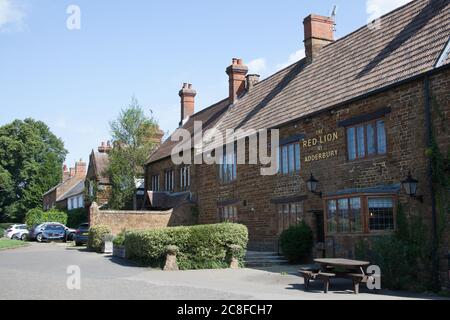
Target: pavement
<point>40,272</point>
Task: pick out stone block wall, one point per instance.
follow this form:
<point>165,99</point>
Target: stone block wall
<point>140,220</point>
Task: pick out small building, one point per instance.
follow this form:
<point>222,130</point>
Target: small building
<point>69,194</point>
<point>97,183</point>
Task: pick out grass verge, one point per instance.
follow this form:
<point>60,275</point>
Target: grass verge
<point>11,244</point>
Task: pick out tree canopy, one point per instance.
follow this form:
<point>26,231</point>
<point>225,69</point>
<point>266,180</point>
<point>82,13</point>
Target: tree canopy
<point>134,136</point>
<point>31,158</point>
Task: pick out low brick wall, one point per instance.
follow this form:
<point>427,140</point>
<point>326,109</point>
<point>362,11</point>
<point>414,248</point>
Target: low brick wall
<point>139,220</point>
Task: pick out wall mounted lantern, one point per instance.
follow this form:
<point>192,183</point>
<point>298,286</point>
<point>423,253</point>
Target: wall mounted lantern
<point>410,186</point>
<point>312,186</point>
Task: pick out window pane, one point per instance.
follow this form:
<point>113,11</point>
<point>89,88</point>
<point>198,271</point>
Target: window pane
<point>344,216</point>
<point>291,158</point>
<point>355,207</point>
<point>381,137</point>
<point>381,214</point>
<point>279,160</point>
<point>331,216</point>
<point>297,157</point>
<point>351,143</point>
<point>361,142</point>
<point>370,139</point>
<point>284,159</point>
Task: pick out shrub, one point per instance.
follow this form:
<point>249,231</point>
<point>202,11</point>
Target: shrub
<point>119,240</point>
<point>77,217</point>
<point>97,236</point>
<point>37,216</point>
<point>297,242</point>
<point>404,258</point>
<point>200,247</point>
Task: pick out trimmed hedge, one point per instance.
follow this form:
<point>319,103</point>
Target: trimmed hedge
<point>297,242</point>
<point>77,217</point>
<point>37,216</point>
<point>200,247</point>
<point>97,237</point>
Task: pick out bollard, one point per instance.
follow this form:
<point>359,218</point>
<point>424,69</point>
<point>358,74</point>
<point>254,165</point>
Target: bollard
<point>171,259</point>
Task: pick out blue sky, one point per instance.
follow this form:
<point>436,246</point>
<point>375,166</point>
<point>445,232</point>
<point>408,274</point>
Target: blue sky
<point>77,81</point>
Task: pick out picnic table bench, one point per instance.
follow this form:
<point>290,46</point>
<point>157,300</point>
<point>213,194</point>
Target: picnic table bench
<point>326,269</point>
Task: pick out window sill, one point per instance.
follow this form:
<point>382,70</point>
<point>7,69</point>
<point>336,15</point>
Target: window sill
<point>360,234</point>
<point>221,183</point>
<point>367,159</point>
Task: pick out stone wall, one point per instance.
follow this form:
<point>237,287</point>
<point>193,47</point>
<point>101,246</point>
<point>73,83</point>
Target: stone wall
<point>140,220</point>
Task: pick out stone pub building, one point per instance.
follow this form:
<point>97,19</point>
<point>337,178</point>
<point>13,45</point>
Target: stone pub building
<point>355,117</point>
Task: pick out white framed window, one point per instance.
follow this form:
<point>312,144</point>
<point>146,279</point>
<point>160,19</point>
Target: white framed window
<point>185,177</point>
<point>169,180</point>
<point>289,158</point>
<point>289,214</point>
<point>228,214</point>
<point>155,183</point>
<point>91,188</point>
<point>228,167</point>
<point>366,140</point>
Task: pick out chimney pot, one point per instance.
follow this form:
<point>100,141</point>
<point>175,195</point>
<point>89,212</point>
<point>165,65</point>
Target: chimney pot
<point>319,31</point>
<point>187,95</point>
<point>80,168</point>
<point>252,80</point>
<point>236,74</point>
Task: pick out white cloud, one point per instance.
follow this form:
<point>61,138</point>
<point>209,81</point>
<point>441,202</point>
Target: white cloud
<point>293,57</point>
<point>377,8</point>
<point>257,66</point>
<point>12,15</point>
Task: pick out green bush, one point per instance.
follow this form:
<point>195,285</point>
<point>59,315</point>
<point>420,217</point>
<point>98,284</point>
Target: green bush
<point>6,225</point>
<point>200,247</point>
<point>119,240</point>
<point>404,258</point>
<point>37,216</point>
<point>297,242</point>
<point>97,236</point>
<point>77,217</point>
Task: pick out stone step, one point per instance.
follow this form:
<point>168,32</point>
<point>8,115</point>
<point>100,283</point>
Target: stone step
<point>265,263</point>
<point>254,259</point>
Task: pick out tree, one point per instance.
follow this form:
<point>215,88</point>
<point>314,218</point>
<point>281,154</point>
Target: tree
<point>31,158</point>
<point>134,137</point>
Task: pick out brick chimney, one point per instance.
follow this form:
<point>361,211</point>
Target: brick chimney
<point>252,80</point>
<point>80,168</point>
<point>236,73</point>
<point>105,147</point>
<point>66,173</point>
<point>187,95</point>
<point>319,31</point>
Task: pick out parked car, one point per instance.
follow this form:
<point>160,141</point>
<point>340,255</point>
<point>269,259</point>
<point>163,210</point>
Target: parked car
<point>21,235</point>
<point>82,234</point>
<point>70,234</point>
<point>15,228</point>
<point>48,231</point>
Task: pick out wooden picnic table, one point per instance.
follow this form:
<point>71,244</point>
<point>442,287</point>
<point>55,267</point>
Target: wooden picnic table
<point>336,268</point>
<point>343,263</point>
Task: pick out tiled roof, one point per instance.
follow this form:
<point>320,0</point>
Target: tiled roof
<point>407,44</point>
<point>167,200</point>
<point>77,189</point>
<point>208,117</point>
<point>101,161</point>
